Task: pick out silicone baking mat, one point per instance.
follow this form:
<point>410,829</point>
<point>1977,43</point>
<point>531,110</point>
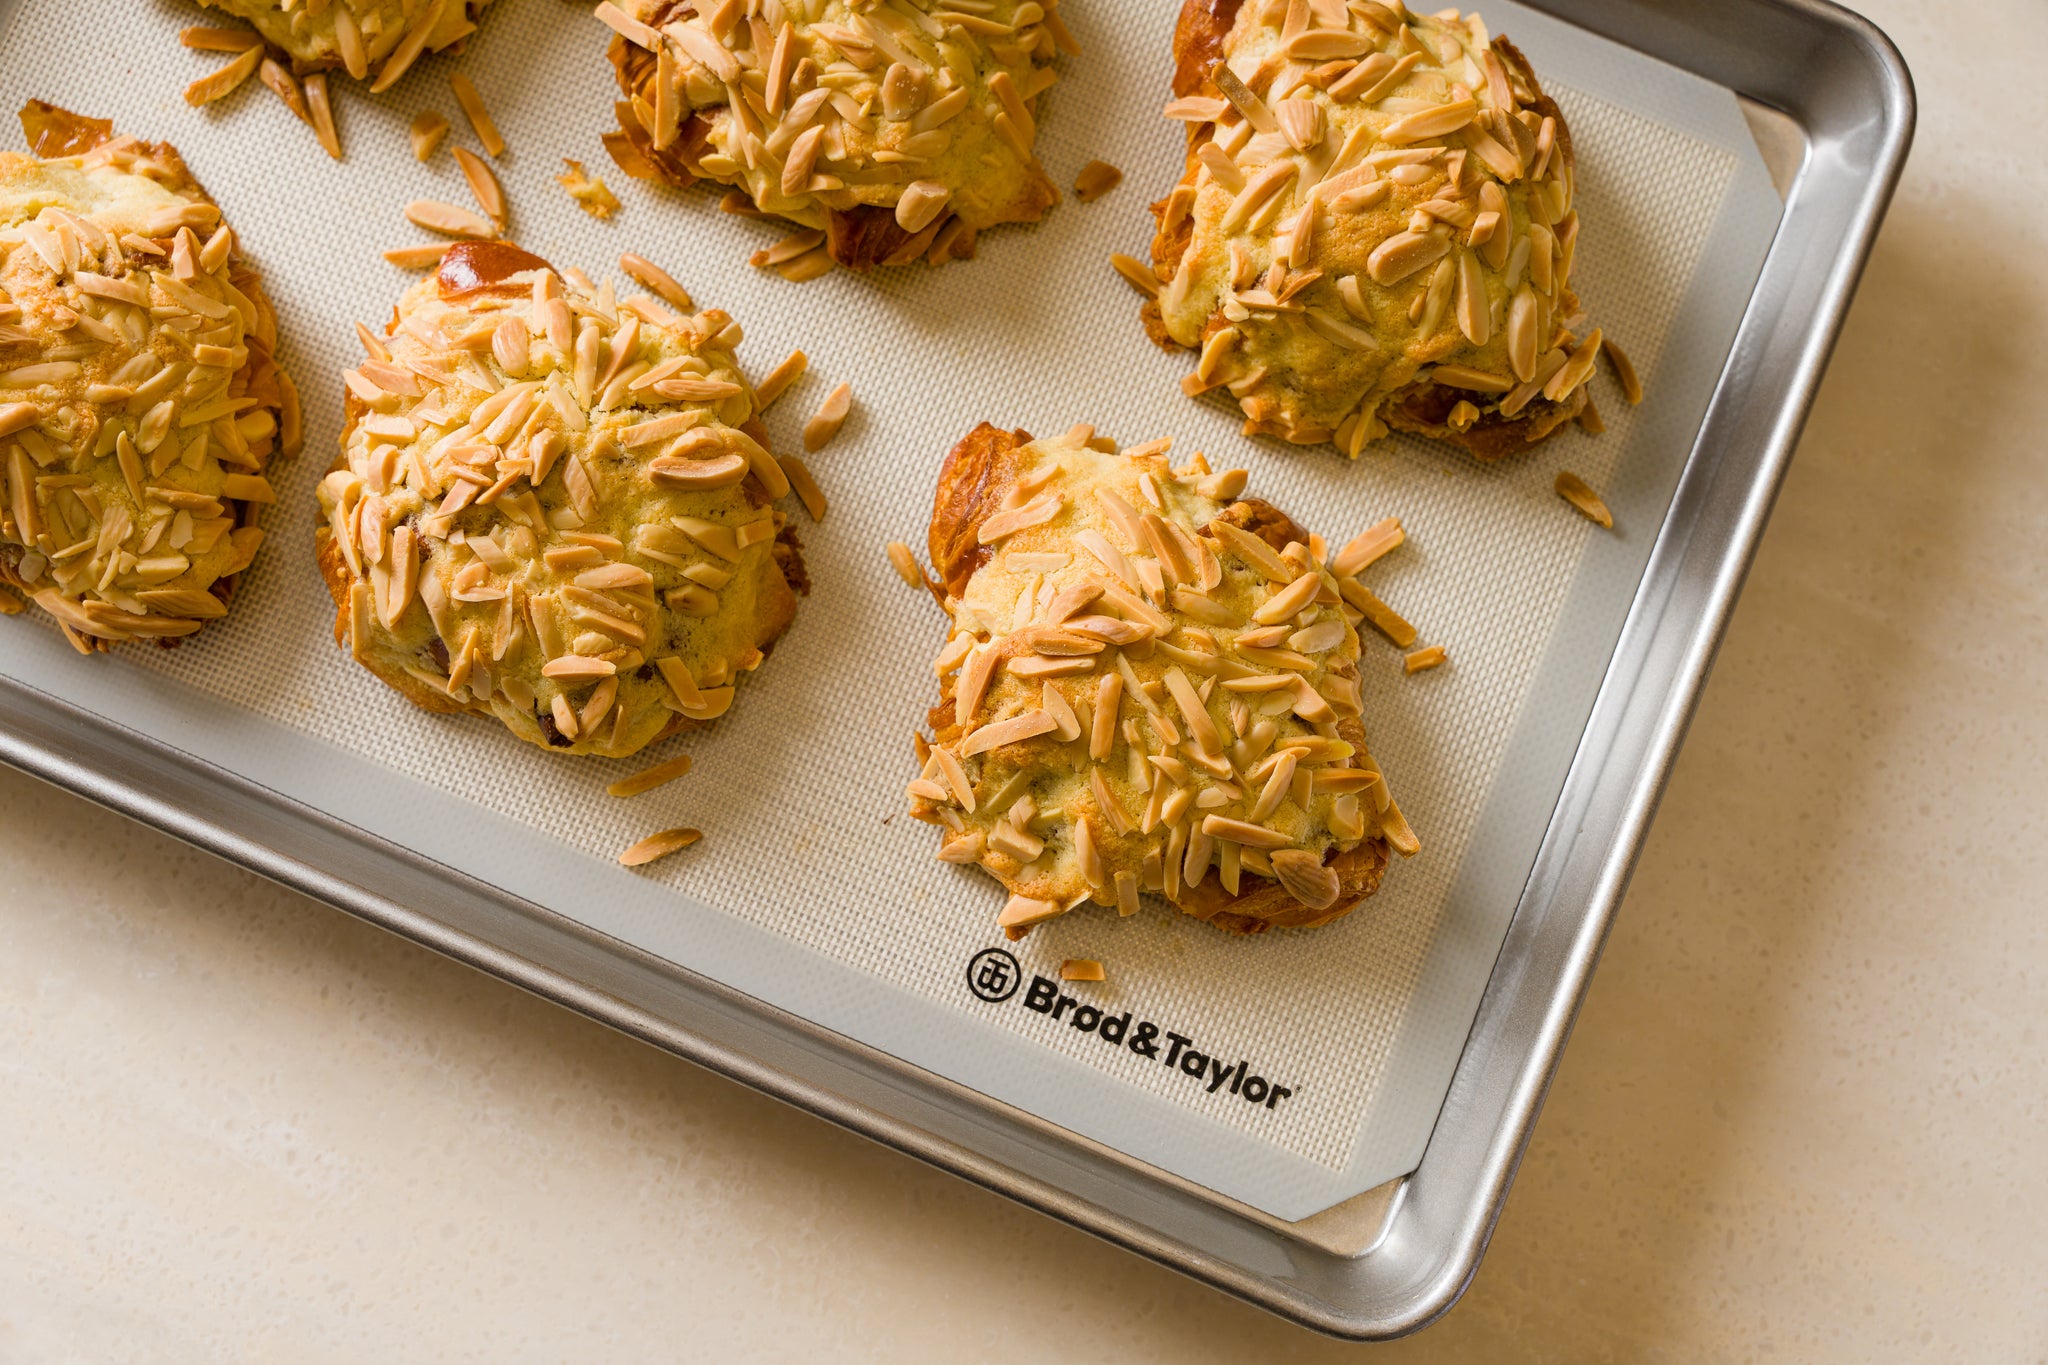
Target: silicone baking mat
<point>811,888</point>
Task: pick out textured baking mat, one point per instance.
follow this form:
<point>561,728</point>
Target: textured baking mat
<point>800,788</point>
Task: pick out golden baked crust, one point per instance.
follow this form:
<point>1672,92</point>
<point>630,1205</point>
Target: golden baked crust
<point>914,120</point>
<point>1375,228</point>
<point>556,509</point>
<point>139,401</point>
<point>1147,677</point>
<point>359,36</point>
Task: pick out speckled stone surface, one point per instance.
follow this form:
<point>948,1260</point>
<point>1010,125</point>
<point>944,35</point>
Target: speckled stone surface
<point>1802,1118</point>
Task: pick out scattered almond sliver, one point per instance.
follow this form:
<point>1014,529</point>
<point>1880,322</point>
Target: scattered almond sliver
<point>1580,494</point>
<point>448,220</point>
<point>906,565</point>
<point>807,490</point>
<point>831,415</point>
<point>779,379</point>
<point>1421,659</point>
<point>483,185</point>
<point>1081,969</point>
<point>659,846</point>
<point>479,118</point>
<point>1096,179</point>
<point>224,80</point>
<point>651,276</point>
<point>1394,826</point>
<point>428,128</point>
<point>1624,373</point>
<point>417,257</point>
<point>595,197</point>
<point>648,779</point>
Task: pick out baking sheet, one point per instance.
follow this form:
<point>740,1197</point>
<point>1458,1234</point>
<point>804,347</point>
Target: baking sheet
<point>826,900</point>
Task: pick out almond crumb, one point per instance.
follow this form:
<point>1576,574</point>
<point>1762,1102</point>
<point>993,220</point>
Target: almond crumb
<point>1081,969</point>
<point>1418,660</point>
<point>594,195</point>
<point>428,128</point>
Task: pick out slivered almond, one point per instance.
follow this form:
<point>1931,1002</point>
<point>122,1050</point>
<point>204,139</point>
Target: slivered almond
<point>1421,659</point>
<point>807,490</point>
<point>906,565</point>
<point>1081,969</point>
<point>479,118</point>
<point>322,110</point>
<point>1096,179</point>
<point>1580,494</point>
<point>1384,618</point>
<point>653,277</point>
<point>1022,912</point>
<point>225,79</point>
<point>428,128</point>
<point>660,845</point>
<point>830,416</point>
<point>273,74</point>
<point>490,196</point>
<point>779,379</point>
<point>448,220</point>
<point>647,779</point>
<point>1136,274</point>
<point>417,257</point>
<point>1368,547</point>
<point>1015,730</point>
<point>1624,373</point>
<point>219,39</point>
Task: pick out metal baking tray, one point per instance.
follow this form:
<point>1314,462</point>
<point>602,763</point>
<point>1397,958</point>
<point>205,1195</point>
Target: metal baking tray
<point>1832,107</point>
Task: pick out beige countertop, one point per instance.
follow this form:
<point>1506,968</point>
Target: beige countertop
<point>1804,1116</point>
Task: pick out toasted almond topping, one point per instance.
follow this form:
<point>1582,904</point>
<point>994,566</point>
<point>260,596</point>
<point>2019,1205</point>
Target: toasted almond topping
<point>1137,274</point>
<point>659,846</point>
<point>1023,911</point>
<point>1384,618</point>
<point>1580,494</point>
<point>1081,969</point>
<point>655,278</point>
<point>629,28</point>
<point>1096,179</point>
<point>287,88</point>
<point>479,118</point>
<point>1418,660</point>
<point>219,39</point>
<point>1394,825</point>
<point>906,565</point>
<point>647,779</point>
<point>1015,730</point>
<point>422,257</point>
<point>831,415</point>
<point>316,103</point>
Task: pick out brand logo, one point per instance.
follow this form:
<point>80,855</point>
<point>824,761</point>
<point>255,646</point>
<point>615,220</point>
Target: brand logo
<point>994,975</point>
